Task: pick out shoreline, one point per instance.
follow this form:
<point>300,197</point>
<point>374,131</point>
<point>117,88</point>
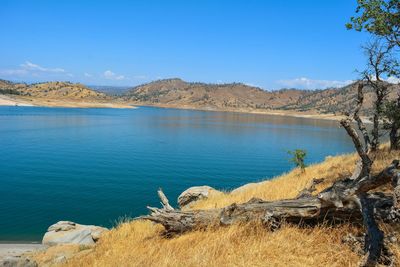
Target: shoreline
<point>295,114</point>
<point>25,102</point>
<point>6,100</point>
<point>18,249</point>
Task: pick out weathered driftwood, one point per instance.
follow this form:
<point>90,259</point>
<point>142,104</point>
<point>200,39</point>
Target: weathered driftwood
<point>345,200</point>
<point>307,192</point>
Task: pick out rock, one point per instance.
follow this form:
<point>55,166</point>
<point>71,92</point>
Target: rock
<point>195,193</point>
<point>62,226</point>
<point>243,188</point>
<point>65,232</point>
<point>15,261</point>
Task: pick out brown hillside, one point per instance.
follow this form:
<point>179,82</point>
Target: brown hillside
<point>175,92</point>
<point>178,93</point>
<point>52,90</point>
<point>338,100</point>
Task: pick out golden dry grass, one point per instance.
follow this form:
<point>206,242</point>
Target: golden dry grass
<point>139,243</point>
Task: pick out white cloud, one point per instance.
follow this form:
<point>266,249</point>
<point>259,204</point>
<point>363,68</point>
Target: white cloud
<point>34,67</point>
<point>13,72</point>
<point>108,74</point>
<point>393,80</point>
<point>306,83</point>
<point>87,75</point>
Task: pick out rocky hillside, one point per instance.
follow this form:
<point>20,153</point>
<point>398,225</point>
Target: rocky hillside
<point>178,93</point>
<point>51,90</point>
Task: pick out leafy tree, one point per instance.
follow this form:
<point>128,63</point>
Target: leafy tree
<point>391,122</point>
<point>298,158</point>
<point>380,18</point>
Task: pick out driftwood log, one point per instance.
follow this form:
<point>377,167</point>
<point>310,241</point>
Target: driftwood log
<point>347,200</point>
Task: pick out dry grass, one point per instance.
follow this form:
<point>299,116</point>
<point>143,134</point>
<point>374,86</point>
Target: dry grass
<point>140,244</point>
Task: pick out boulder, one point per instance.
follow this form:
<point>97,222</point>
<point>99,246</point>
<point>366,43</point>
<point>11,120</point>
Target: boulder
<point>244,188</point>
<point>195,193</point>
<point>65,232</point>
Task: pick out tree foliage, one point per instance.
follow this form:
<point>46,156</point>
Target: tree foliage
<point>379,17</point>
<point>298,158</point>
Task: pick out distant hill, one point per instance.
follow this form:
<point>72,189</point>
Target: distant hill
<point>52,90</point>
<point>338,100</point>
<point>178,93</point>
<point>110,90</point>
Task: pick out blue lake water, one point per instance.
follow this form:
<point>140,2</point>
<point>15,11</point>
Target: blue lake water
<point>93,166</point>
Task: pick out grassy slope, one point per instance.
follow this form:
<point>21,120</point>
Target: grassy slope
<point>140,244</point>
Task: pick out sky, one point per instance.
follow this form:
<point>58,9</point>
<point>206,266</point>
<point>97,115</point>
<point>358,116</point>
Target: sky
<point>265,43</point>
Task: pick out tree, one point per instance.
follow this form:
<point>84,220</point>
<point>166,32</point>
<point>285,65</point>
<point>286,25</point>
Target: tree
<point>381,18</point>
<point>380,63</point>
<point>378,17</point>
<point>298,158</point>
<point>391,122</point>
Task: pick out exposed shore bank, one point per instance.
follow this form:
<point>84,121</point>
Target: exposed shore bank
<point>24,101</point>
<point>286,113</point>
<point>30,102</point>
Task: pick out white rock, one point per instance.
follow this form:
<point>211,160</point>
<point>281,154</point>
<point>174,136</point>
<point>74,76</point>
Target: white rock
<point>195,193</point>
<point>65,232</point>
<point>244,188</point>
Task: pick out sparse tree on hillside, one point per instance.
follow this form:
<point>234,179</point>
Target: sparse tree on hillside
<point>380,63</point>
<point>381,18</point>
<point>298,158</point>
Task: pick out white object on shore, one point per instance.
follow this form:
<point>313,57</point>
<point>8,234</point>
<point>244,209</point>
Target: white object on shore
<point>195,193</point>
<point>244,188</point>
<point>66,232</point>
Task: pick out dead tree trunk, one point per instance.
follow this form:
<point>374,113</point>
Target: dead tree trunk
<point>396,191</point>
<point>307,192</point>
<point>374,237</point>
<point>394,133</point>
<point>357,118</point>
<point>363,167</point>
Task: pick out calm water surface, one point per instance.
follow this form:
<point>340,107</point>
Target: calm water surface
<point>94,166</point>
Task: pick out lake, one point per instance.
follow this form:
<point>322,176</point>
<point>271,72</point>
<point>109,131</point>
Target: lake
<point>94,166</point>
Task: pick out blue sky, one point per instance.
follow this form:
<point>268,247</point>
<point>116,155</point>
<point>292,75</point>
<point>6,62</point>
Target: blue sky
<point>271,44</point>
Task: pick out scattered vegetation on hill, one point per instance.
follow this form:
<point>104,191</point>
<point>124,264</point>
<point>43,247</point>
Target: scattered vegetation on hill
<point>9,92</point>
<point>236,96</point>
<point>51,90</point>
